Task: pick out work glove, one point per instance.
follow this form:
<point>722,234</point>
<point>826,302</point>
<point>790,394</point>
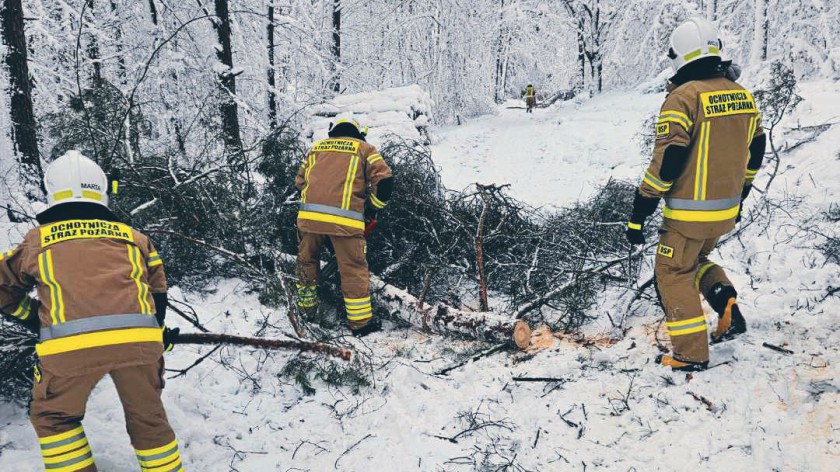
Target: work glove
<point>740,209</point>
<point>635,233</point>
<point>33,323</point>
<point>170,337</point>
<point>370,213</point>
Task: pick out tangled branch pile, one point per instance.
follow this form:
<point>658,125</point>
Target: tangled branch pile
<point>433,240</point>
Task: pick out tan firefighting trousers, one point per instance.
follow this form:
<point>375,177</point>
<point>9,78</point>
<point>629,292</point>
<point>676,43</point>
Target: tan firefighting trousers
<point>58,407</point>
<point>530,102</point>
<point>683,272</point>
<point>350,252</point>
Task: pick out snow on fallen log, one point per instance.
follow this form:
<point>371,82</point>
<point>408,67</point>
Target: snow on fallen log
<point>263,343</point>
<point>443,319</point>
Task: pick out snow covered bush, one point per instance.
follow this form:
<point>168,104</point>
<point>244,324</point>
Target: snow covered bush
<point>17,357</point>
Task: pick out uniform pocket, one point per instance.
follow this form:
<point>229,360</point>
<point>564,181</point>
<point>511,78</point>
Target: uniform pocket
<point>671,249</point>
<point>41,389</point>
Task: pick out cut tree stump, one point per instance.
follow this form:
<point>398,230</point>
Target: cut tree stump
<point>521,334</point>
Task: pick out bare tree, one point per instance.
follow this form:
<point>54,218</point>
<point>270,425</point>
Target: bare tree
<point>272,83</point>
<point>762,24</point>
<point>593,19</point>
<point>227,79</point>
<point>24,128</point>
<point>505,36</point>
<point>336,46</point>
<point>119,43</point>
<point>93,46</point>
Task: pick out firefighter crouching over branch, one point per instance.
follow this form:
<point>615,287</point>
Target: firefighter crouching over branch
<point>101,303</point>
<point>709,147</point>
<point>343,183</point>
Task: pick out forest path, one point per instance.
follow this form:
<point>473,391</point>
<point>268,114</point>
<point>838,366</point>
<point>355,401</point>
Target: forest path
<point>552,156</point>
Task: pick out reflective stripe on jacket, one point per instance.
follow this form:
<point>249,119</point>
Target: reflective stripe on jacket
<point>95,281</point>
<point>337,179</point>
<point>716,120</point>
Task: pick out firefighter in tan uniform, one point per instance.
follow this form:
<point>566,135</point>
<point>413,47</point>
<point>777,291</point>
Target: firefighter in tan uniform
<point>343,183</point>
<point>101,301</point>
<point>530,98</point>
<point>709,146</point>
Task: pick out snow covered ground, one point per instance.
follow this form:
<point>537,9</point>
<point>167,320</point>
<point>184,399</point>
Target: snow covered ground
<point>552,156</point>
<point>613,409</point>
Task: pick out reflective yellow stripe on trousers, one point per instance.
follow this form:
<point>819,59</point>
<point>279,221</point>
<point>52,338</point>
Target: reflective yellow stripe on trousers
<point>166,458</point>
<point>66,452</point>
<point>689,326</point>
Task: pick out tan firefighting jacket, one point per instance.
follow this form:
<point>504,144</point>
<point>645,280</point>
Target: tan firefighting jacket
<point>95,281</point>
<point>338,178</point>
<point>716,119</point>
<point>530,92</point>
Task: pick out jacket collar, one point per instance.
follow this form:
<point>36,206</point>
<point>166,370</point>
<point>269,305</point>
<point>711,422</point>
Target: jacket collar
<point>345,130</point>
<point>706,68</point>
<point>76,211</point>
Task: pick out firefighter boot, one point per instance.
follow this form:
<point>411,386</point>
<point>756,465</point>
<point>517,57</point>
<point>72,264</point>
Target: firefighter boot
<point>681,366</point>
<point>372,326</point>
<point>731,323</point>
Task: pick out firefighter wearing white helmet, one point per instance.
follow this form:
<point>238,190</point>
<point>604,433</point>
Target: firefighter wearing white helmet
<point>75,178</point>
<point>709,147</point>
<point>694,40</point>
<point>100,308</point>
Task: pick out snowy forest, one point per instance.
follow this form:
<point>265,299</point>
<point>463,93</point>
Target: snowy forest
<point>519,325</point>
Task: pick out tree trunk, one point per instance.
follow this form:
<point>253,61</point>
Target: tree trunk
<point>445,320</point>
<point>227,81</point>
<point>498,93</point>
<point>765,31</point>
<point>336,46</point>
<point>118,36</point>
<point>24,129</point>
<point>600,71</point>
<point>272,95</point>
<point>712,10</point>
<point>153,11</point>
<point>581,59</point>
<point>759,46</point>
<point>479,252</point>
<point>93,50</point>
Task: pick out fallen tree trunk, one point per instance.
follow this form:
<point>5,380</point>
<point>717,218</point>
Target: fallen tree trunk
<point>446,320</point>
<point>274,344</point>
<point>487,326</point>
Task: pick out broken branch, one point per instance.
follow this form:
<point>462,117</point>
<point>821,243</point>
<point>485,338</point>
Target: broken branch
<point>274,344</point>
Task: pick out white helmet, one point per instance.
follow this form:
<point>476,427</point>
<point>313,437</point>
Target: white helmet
<point>75,178</point>
<point>694,39</point>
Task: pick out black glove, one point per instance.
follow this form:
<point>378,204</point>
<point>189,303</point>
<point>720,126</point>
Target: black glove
<point>32,323</point>
<point>170,337</point>
<point>740,209</point>
<point>634,233</point>
<point>370,213</point>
